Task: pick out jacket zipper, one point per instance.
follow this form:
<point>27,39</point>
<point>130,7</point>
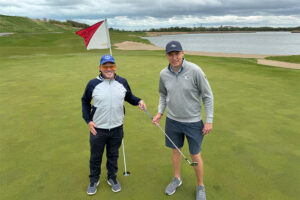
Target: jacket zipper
<point>110,104</point>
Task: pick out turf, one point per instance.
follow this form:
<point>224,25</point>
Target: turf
<point>252,153</point>
<point>26,25</point>
<point>291,59</point>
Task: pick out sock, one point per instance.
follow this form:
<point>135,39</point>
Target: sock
<point>200,187</point>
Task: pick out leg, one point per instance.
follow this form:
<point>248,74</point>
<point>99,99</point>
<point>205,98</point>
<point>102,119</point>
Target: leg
<point>200,189</point>
<point>195,137</point>
<point>176,158</point>
<point>176,182</point>
<point>199,168</point>
<point>173,130</point>
<point>97,144</point>
<point>112,151</point>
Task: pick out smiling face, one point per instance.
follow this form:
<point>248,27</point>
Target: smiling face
<point>108,70</point>
<point>175,58</point>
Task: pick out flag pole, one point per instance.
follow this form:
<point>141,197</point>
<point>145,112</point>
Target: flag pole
<point>108,38</point>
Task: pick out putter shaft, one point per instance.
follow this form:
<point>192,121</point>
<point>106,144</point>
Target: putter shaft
<point>193,163</point>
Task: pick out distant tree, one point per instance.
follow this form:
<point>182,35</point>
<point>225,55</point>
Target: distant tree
<point>223,29</point>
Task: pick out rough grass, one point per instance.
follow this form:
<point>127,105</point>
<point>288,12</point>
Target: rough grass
<point>27,25</point>
<point>252,153</point>
<point>37,44</point>
<point>291,59</point>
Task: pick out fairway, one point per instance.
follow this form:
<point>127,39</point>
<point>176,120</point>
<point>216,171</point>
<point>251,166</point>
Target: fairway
<point>252,153</point>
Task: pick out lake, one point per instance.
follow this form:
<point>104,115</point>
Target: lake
<point>265,43</point>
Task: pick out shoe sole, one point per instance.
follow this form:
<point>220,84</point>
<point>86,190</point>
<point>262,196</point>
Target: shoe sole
<point>112,189</point>
<point>92,193</point>
<point>95,191</point>
<point>174,190</point>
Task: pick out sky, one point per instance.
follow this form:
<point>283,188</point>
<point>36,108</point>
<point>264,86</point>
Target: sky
<point>147,14</point>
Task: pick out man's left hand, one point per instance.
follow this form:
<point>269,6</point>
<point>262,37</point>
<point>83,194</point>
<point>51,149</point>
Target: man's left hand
<point>142,105</point>
<point>207,128</point>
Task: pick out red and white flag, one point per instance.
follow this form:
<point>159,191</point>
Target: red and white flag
<point>96,36</point>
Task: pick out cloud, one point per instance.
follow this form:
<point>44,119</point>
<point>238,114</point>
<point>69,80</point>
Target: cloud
<point>126,23</point>
<point>158,13</point>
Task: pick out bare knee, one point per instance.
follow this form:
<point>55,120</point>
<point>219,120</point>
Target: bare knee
<point>196,157</point>
<point>175,151</point>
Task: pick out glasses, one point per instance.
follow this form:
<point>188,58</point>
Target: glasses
<point>113,67</point>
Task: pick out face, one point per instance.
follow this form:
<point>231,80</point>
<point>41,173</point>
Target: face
<point>175,58</point>
<point>108,70</point>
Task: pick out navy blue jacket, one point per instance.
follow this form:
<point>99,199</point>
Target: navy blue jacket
<point>108,98</point>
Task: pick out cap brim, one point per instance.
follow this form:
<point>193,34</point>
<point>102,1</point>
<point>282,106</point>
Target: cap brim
<point>173,51</point>
<point>107,62</point>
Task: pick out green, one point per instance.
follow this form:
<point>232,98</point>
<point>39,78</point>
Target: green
<point>252,152</point>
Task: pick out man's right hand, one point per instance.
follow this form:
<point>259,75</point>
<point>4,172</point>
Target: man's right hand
<point>156,119</point>
<point>92,126</point>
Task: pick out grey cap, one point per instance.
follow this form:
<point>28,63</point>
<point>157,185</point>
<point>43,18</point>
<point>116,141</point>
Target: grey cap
<point>173,46</point>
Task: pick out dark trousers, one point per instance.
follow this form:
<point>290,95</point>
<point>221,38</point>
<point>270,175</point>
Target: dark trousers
<point>112,139</point>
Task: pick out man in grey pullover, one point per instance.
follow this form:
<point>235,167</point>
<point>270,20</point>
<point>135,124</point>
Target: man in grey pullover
<point>182,87</point>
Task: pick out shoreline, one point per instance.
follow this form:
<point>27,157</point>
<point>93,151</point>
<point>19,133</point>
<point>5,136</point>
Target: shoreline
<point>154,34</point>
<point>128,45</point>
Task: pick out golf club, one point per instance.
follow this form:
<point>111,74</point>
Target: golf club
<point>190,163</point>
<point>126,173</point>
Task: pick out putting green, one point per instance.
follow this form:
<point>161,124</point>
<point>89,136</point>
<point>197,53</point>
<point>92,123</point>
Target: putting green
<point>252,153</point>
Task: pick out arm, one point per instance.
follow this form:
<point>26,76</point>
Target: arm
<point>162,102</point>
<point>133,100</point>
<point>207,98</point>
<point>86,108</point>
<point>86,103</point>
<point>129,97</point>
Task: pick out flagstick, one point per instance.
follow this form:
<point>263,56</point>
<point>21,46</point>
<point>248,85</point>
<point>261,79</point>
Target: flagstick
<point>108,38</point>
<point>110,51</point>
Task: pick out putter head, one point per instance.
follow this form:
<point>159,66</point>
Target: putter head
<point>126,173</point>
<point>194,164</point>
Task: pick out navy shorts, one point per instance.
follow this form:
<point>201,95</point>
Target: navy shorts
<point>192,131</point>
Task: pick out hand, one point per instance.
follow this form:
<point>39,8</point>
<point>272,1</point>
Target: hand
<point>156,119</point>
<point>207,128</point>
<point>92,126</point>
<point>142,105</point>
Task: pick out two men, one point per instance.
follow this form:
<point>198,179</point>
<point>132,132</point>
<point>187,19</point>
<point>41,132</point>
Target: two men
<point>182,86</point>
<point>105,120</point>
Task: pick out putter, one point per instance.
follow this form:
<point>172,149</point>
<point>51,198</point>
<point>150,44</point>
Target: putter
<point>126,173</point>
<point>190,163</point>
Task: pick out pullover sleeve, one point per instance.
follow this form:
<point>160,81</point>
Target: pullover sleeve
<point>86,102</point>
<point>207,96</point>
<point>129,97</point>
<point>162,96</point>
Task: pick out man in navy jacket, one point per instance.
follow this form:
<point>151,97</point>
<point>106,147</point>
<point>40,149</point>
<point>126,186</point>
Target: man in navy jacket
<point>105,120</point>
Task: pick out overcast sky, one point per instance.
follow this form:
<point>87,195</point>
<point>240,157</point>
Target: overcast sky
<point>145,14</point>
